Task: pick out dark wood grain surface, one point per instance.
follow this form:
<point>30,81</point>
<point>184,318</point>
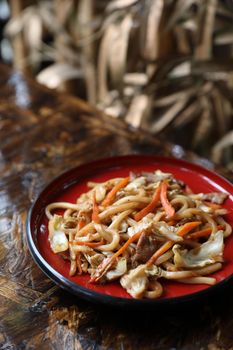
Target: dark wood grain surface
<point>42,134</point>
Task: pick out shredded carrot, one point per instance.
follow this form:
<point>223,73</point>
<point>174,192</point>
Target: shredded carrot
<point>213,205</point>
<point>81,224</point>
<point>150,207</point>
<point>109,261</point>
<point>160,252</point>
<point>171,222</point>
<point>188,190</point>
<point>170,211</point>
<point>187,227</point>
<point>203,233</point>
<point>95,212</point>
<point>78,261</point>
<point>88,244</point>
<point>112,194</point>
<point>181,232</point>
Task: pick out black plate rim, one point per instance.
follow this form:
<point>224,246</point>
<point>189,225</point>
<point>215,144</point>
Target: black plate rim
<point>98,297</point>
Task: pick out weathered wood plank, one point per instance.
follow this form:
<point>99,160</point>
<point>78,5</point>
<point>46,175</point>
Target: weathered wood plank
<point>41,135</point>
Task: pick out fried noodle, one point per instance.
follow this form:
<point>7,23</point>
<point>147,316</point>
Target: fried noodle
<point>141,230</point>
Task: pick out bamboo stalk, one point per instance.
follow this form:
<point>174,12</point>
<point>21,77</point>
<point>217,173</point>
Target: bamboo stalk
<point>18,43</point>
<point>204,47</point>
<point>85,18</point>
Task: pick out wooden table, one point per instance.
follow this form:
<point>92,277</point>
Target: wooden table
<point>43,133</point>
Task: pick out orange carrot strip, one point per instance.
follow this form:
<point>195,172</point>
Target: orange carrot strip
<point>150,207</point>
<point>203,233</point>
<point>213,205</point>
<point>171,222</point>
<point>95,212</point>
<point>188,190</point>
<point>109,261</point>
<point>159,252</point>
<point>88,244</point>
<point>181,232</point>
<point>170,211</point>
<point>81,224</point>
<point>112,194</point>
<point>187,227</point>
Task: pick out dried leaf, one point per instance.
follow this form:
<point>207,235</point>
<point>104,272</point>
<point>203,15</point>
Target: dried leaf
<point>219,112</point>
<point>218,148</point>
<point>182,40</point>
<point>65,51</point>
<point>168,116</point>
<point>85,16</point>
<point>136,58</point>
<point>181,70</point>
<point>190,25</point>
<point>139,111</point>
<point>103,62</point>
<point>224,38</point>
<point>67,7</point>
<point>49,18</point>
<point>224,13</point>
<point>57,73</point>
<point>180,10</point>
<point>33,31</point>
<point>120,4</point>
<point>116,109</point>
<point>203,126</point>
<point>151,43</point>
<point>15,25</point>
<point>189,114</point>
<point>137,79</point>
<point>204,48</point>
<point>117,54</point>
<point>172,98</point>
<point>211,66</point>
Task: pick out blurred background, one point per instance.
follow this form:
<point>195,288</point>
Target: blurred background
<point>162,65</point>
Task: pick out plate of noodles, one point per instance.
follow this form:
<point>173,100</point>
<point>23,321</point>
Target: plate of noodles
<point>135,230</point>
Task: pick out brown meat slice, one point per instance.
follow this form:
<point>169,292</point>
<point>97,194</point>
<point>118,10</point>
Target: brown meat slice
<point>145,248</point>
<point>216,197</point>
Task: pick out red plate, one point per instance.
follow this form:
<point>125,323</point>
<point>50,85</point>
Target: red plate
<point>71,184</point>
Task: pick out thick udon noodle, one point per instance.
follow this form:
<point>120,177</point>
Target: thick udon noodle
<point>141,230</point>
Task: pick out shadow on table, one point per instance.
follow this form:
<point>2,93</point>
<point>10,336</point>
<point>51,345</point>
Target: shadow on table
<point>195,325</point>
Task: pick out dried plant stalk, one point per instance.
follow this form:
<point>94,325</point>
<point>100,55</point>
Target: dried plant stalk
<point>84,19</point>
<point>219,147</point>
<point>161,65</point>
<point>19,47</point>
<point>204,47</point>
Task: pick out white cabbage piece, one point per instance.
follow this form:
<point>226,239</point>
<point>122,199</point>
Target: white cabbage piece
<point>123,226</point>
<point>85,207</point>
<point>135,282</point>
<point>204,207</point>
<point>208,253</point>
<point>94,259</point>
<point>58,240</point>
<point>214,197</point>
<point>168,231</point>
<point>157,176</point>
<point>161,228</point>
<point>119,270</point>
<point>100,193</point>
<point>160,175</point>
<point>136,183</point>
<point>144,224</point>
